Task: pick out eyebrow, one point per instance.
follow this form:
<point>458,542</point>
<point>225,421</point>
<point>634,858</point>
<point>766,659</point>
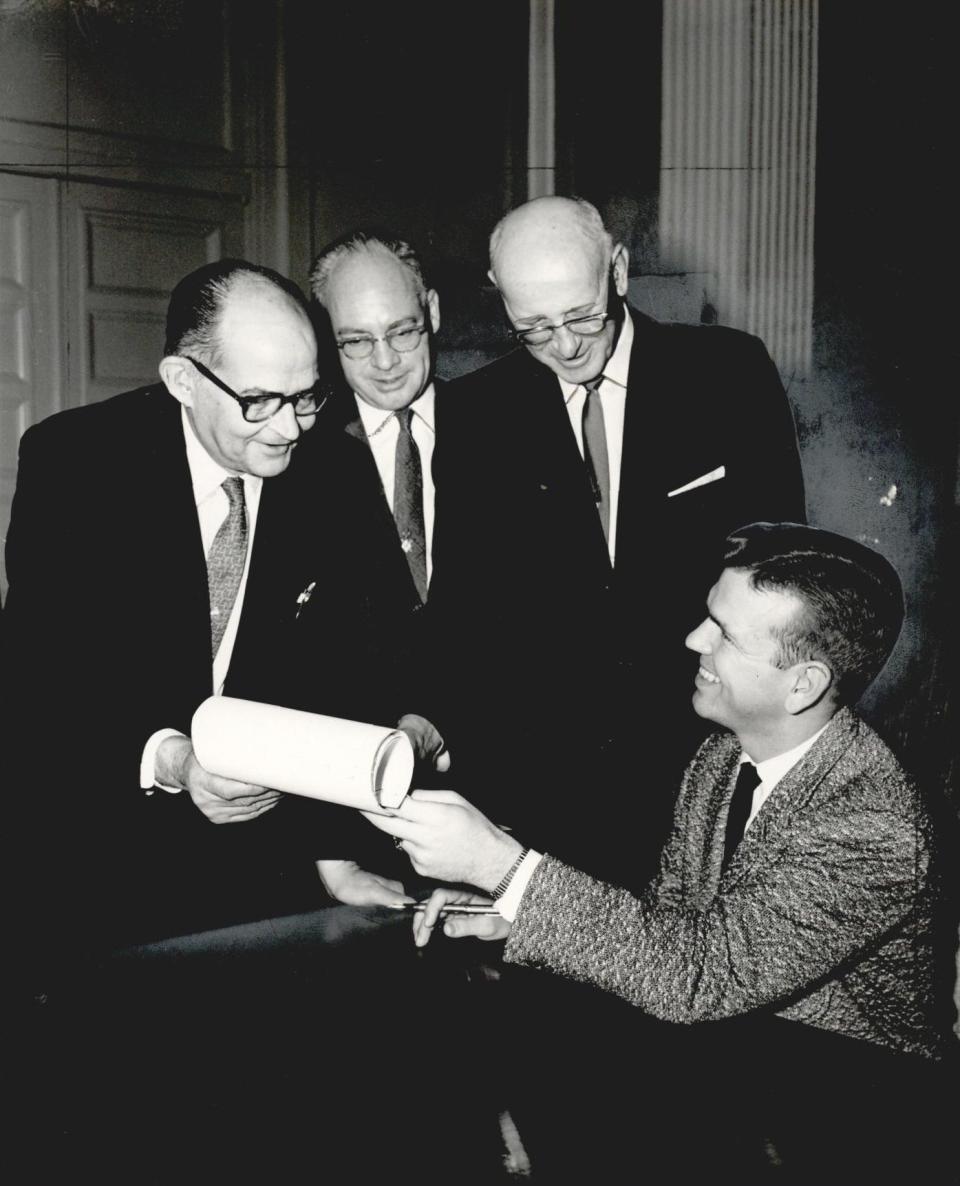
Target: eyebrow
<point>412,319</point>
<point>576,311</point>
<point>725,629</point>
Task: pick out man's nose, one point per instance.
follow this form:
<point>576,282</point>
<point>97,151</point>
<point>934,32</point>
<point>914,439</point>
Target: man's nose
<point>566,342</point>
<point>285,423</point>
<point>384,356</point>
<point>699,638</point>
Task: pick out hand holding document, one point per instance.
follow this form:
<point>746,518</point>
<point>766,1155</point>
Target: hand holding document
<point>303,753</point>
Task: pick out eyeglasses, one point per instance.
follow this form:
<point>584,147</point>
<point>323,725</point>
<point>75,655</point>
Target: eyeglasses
<point>583,327</point>
<point>403,340</point>
<point>257,408</point>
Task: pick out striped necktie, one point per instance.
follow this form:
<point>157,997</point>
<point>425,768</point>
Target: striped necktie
<point>408,502</point>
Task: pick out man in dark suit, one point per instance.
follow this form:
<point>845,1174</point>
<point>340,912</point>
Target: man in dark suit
<point>799,891</point>
<point>607,439</point>
<point>125,513</point>
<point>373,459</point>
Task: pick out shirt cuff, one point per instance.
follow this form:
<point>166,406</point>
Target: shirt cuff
<point>509,903</point>
<point>148,762</point>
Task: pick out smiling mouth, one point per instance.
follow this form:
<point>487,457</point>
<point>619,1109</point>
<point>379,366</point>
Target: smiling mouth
<point>707,675</point>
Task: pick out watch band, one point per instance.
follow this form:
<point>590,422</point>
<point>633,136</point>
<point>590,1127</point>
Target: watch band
<point>501,887</point>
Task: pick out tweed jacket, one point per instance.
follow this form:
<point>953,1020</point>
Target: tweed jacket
<point>824,915</point>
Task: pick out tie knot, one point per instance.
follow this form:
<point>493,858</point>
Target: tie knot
<point>748,778</point>
<point>233,489</point>
<point>404,416</point>
<point>593,384</point>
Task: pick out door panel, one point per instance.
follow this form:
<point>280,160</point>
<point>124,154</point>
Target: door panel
<point>124,250</point>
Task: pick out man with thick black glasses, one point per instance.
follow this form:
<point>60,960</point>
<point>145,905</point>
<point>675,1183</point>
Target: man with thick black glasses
<point>156,552</point>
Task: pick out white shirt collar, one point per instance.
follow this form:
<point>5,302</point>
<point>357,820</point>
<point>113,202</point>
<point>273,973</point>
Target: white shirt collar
<point>772,770</point>
<point>206,474</point>
<point>618,365</point>
<point>376,419</point>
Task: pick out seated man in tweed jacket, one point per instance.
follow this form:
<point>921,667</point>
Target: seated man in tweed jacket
<point>804,893</point>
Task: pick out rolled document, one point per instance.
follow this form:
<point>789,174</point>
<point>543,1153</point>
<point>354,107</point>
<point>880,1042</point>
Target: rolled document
<point>346,762</point>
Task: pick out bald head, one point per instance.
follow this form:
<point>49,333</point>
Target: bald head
<point>548,226</point>
<point>555,264</point>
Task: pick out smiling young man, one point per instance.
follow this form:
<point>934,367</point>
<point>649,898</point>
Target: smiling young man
<point>798,891</point>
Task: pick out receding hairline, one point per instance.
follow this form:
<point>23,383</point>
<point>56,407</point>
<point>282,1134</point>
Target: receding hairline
<point>361,245</point>
<point>548,221</point>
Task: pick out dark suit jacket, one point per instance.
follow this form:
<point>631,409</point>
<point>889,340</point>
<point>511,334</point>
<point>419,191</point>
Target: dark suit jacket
<point>825,914</point>
<point>360,650</point>
<point>562,660</point>
<point>107,641</point>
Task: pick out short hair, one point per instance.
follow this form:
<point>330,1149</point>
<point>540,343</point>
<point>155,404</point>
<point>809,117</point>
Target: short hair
<point>356,243</point>
<point>586,218</point>
<point>851,598</point>
<point>198,300</point>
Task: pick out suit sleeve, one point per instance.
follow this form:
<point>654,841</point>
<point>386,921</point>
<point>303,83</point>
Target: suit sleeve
<point>842,882</point>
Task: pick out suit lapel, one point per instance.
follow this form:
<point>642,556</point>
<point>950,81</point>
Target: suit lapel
<point>173,588</point>
<point>794,792</point>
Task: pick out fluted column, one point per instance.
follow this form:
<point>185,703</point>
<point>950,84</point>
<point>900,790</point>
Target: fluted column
<point>738,162</point>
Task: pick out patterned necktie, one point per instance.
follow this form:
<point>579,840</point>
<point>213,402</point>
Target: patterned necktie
<point>595,452</point>
<point>408,502</point>
<point>228,552</point>
<point>741,805</point>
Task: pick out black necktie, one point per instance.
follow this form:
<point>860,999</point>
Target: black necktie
<point>595,452</point>
<point>228,553</point>
<point>408,502</point>
<point>740,806</point>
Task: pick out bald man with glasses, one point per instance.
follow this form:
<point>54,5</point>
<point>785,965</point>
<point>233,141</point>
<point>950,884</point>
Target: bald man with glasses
<point>620,452</point>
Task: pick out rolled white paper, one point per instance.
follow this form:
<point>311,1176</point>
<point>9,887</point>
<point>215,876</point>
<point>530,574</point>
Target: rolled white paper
<point>303,753</point>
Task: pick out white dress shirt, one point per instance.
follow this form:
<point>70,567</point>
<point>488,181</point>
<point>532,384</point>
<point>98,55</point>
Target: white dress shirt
<point>613,400</point>
<point>212,509</point>
<point>382,431</point>
<point>773,770</point>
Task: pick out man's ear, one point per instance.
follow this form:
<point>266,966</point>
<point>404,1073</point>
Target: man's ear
<point>619,263</point>
<point>493,280</point>
<point>179,378</point>
<point>810,683</point>
<point>433,309</point>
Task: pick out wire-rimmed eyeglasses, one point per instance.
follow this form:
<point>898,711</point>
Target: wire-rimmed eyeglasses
<point>256,408</point>
<point>403,340</point>
<point>583,327</point>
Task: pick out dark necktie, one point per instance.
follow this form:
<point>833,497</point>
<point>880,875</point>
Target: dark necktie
<point>595,452</point>
<point>228,553</point>
<point>740,806</point>
<point>408,502</point>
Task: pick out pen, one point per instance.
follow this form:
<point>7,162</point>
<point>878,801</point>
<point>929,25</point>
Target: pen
<point>458,908</point>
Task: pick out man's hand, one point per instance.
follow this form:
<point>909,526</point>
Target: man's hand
<point>427,743</point>
<point>222,800</point>
<point>481,926</point>
<point>347,882</point>
<point>448,839</point>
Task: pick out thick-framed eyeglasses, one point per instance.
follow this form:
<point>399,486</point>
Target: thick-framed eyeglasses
<point>403,340</point>
<point>256,408</point>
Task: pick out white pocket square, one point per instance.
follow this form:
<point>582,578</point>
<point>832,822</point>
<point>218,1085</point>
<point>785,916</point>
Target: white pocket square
<point>704,480</point>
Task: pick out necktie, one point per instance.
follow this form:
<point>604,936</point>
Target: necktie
<point>408,502</point>
<point>225,561</point>
<point>595,452</point>
<point>740,805</point>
